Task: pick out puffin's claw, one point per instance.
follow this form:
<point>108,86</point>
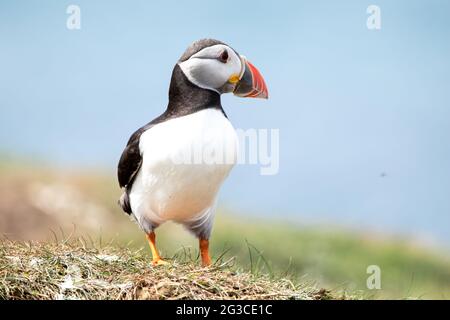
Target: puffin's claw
<point>159,262</point>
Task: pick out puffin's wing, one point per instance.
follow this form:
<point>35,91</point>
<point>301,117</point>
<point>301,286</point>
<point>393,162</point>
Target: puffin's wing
<point>131,160</point>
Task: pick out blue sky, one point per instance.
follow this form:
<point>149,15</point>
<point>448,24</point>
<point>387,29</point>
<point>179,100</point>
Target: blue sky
<point>350,103</point>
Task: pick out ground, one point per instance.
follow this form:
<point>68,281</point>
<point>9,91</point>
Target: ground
<point>43,203</point>
<point>74,271</point>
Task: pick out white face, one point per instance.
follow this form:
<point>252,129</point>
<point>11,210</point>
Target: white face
<point>216,68</point>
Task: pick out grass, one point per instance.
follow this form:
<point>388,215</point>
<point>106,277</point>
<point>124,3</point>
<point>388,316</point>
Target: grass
<point>37,200</point>
<point>332,258</point>
<point>75,271</point>
<point>337,258</point>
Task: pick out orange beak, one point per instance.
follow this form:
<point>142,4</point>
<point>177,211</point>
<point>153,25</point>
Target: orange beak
<point>251,83</point>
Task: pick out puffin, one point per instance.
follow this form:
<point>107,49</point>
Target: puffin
<point>173,167</point>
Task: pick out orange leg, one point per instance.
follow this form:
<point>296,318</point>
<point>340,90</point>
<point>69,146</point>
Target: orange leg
<point>204,252</point>
<point>156,258</point>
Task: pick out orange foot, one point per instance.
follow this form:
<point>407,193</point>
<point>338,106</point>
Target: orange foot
<point>204,252</point>
<point>159,262</point>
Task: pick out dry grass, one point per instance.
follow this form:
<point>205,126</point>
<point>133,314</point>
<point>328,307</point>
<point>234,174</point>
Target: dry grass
<point>76,271</point>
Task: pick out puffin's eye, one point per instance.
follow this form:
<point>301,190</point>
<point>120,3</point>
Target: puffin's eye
<point>224,56</point>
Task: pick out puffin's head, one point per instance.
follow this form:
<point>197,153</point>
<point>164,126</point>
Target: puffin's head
<point>213,65</point>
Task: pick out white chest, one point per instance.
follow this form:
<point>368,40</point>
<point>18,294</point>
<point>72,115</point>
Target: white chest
<point>185,161</point>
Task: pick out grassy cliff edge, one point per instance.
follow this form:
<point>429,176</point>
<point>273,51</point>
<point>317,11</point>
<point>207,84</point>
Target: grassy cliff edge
<point>76,271</point>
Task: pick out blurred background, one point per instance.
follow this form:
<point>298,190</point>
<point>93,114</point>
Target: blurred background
<point>363,115</point>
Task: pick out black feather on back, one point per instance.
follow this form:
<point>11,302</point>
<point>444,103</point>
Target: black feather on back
<point>131,160</point>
